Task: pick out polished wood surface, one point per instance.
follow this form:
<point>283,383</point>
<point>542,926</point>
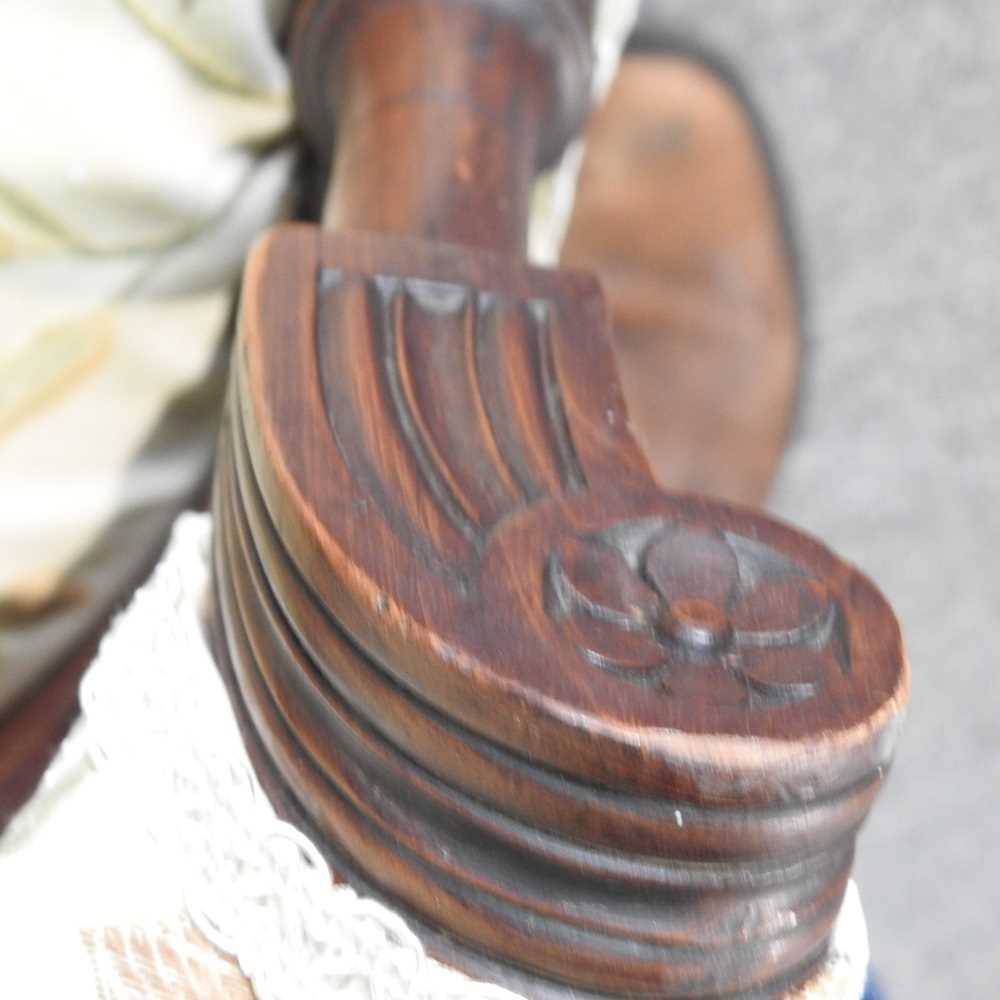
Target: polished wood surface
<point>591,737</point>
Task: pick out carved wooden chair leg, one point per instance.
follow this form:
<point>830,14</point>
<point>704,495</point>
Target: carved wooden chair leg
<point>592,738</point>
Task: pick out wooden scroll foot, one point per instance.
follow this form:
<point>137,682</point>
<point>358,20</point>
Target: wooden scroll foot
<point>617,739</point>
<point>679,212</point>
<point>593,738</point>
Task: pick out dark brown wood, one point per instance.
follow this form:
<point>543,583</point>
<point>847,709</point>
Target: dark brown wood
<point>593,738</point>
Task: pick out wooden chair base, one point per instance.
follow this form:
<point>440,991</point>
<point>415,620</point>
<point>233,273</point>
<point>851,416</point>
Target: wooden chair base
<point>373,791</point>
<point>620,742</point>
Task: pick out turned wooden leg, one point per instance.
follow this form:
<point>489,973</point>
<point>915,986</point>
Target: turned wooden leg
<point>590,737</point>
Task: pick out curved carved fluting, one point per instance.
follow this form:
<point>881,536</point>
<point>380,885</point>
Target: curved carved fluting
<point>582,731</point>
<point>420,397</point>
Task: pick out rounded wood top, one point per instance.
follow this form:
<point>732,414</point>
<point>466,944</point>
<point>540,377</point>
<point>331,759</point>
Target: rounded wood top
<point>460,489</point>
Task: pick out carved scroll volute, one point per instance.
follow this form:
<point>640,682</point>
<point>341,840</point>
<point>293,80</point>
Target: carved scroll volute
<point>594,737</point>
<point>445,572</point>
<point>483,523</point>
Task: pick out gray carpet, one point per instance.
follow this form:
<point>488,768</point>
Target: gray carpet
<point>887,114</point>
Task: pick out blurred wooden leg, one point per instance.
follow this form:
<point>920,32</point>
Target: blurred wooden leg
<point>679,214</point>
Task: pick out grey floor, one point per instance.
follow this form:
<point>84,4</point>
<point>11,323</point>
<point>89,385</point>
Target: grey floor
<point>887,114</point>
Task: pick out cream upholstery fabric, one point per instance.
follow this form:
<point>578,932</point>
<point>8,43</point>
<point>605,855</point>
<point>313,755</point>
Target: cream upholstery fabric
<point>144,146</point>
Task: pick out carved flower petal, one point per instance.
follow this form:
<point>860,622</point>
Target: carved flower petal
<point>590,578</point>
<point>707,683</point>
<point>794,611</point>
<point>606,645</point>
<point>785,675</point>
<point>688,564</point>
